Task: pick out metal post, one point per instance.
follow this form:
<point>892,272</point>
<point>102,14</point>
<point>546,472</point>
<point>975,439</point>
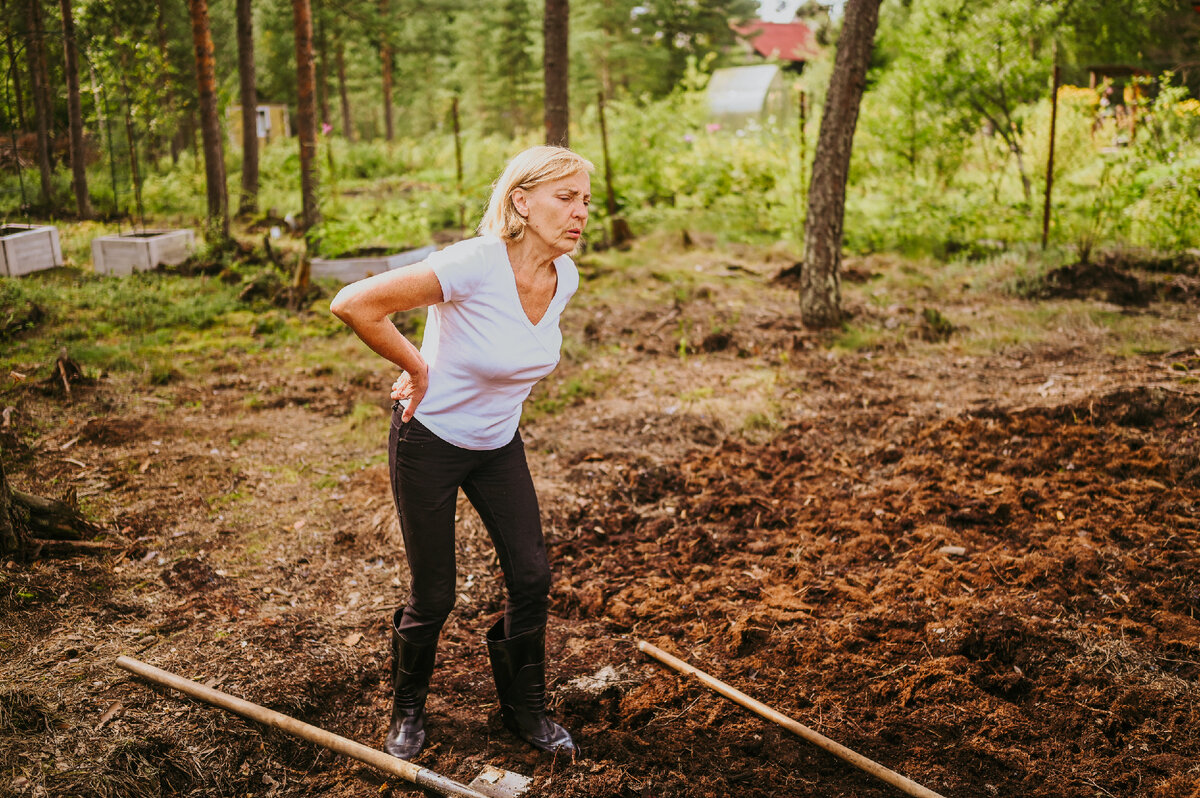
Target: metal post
<point>1050,156</point>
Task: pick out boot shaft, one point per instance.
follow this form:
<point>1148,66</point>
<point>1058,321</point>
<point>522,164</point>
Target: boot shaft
<point>519,668</point>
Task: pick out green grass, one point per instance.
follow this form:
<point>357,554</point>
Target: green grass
<point>365,425</point>
<point>861,338</point>
<point>161,324</point>
<point>552,396</point>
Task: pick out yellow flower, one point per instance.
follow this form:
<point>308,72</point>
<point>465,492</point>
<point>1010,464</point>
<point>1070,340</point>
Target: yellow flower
<point>1078,95</point>
<point>1188,107</point>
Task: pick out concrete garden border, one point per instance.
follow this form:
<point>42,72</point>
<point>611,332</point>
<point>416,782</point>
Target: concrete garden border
<point>124,254</point>
<point>26,248</point>
<point>356,268</point>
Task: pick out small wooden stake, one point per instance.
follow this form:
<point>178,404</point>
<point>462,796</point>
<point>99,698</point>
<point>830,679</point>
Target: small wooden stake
<point>816,738</point>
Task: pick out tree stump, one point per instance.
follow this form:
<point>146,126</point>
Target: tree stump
<point>32,525</point>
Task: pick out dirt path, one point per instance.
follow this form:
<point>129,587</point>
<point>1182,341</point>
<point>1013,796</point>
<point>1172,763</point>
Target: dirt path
<point>976,568</point>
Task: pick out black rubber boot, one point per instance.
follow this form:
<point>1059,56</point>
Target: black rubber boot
<point>519,666</point>
<point>412,665</point>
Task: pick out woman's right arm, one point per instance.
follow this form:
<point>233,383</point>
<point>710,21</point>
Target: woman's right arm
<point>366,305</point>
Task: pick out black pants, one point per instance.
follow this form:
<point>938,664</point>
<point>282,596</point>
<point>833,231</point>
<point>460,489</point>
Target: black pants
<point>426,475</point>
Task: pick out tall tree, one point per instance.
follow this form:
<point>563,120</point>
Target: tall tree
<point>13,72</point>
<point>820,287</point>
<point>343,92</point>
<point>388,65</point>
<point>306,110</point>
<point>248,204</point>
<point>322,56</point>
<point>168,81</point>
<point>40,80</point>
<point>678,30</point>
<point>983,61</point>
<point>83,203</point>
<point>556,34</point>
<point>210,130</point>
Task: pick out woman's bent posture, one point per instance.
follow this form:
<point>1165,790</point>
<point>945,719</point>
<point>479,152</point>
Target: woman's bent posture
<point>492,332</point>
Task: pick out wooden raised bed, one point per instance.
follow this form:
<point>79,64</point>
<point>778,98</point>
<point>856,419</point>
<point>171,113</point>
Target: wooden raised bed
<point>139,252</point>
<point>26,248</point>
<point>363,265</point>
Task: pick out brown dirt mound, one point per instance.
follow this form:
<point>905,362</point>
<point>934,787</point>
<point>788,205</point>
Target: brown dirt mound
<point>1023,582</point>
<point>1123,278</point>
<point>1096,281</point>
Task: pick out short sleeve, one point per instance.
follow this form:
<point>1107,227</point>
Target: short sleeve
<point>459,268</point>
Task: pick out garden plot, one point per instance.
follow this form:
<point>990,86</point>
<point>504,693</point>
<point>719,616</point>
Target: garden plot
<point>366,263</point>
<point>27,248</point>
<point>140,251</point>
<point>975,568</point>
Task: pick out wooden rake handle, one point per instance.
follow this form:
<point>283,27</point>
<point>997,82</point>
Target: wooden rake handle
<point>269,717</point>
<point>816,738</point>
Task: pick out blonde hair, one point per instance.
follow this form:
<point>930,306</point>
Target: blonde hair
<point>527,170</point>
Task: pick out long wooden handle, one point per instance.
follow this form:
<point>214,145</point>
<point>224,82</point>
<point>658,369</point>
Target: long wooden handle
<point>816,738</point>
<point>269,717</point>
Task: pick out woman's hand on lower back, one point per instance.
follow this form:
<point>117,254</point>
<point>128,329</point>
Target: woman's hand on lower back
<point>411,388</point>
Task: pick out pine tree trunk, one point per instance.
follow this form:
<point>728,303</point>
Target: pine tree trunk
<point>322,69</point>
<point>168,83</point>
<point>347,128</point>
<point>385,55</point>
<point>306,110</point>
<point>248,204</point>
<point>210,124</point>
<point>820,287</point>
<point>83,202</point>
<point>555,30</point>
<point>18,90</point>
<point>41,96</point>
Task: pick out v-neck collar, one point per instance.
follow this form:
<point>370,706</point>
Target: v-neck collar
<point>558,286</point>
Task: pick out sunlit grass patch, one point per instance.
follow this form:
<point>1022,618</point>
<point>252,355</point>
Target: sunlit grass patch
<point>697,394</point>
<point>365,425</point>
<point>285,475</point>
<point>862,338</point>
<point>551,396</point>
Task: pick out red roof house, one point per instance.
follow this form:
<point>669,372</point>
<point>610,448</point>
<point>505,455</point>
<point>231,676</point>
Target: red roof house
<point>790,41</point>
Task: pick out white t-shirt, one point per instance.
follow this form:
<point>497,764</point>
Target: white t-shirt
<point>484,353</point>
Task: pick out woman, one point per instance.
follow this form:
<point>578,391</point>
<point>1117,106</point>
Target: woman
<point>492,332</point>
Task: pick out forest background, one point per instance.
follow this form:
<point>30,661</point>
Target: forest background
<point>950,154</point>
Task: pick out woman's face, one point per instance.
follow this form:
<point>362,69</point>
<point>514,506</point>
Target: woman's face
<point>556,211</point>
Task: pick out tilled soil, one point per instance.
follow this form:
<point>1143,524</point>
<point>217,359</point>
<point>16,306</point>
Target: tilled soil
<point>995,604</point>
<point>979,571</point>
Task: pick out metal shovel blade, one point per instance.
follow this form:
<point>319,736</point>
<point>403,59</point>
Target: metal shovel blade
<point>496,783</point>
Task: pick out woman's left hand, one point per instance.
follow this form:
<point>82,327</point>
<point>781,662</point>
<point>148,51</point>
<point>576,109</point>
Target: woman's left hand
<point>402,388</point>
<point>413,388</point>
